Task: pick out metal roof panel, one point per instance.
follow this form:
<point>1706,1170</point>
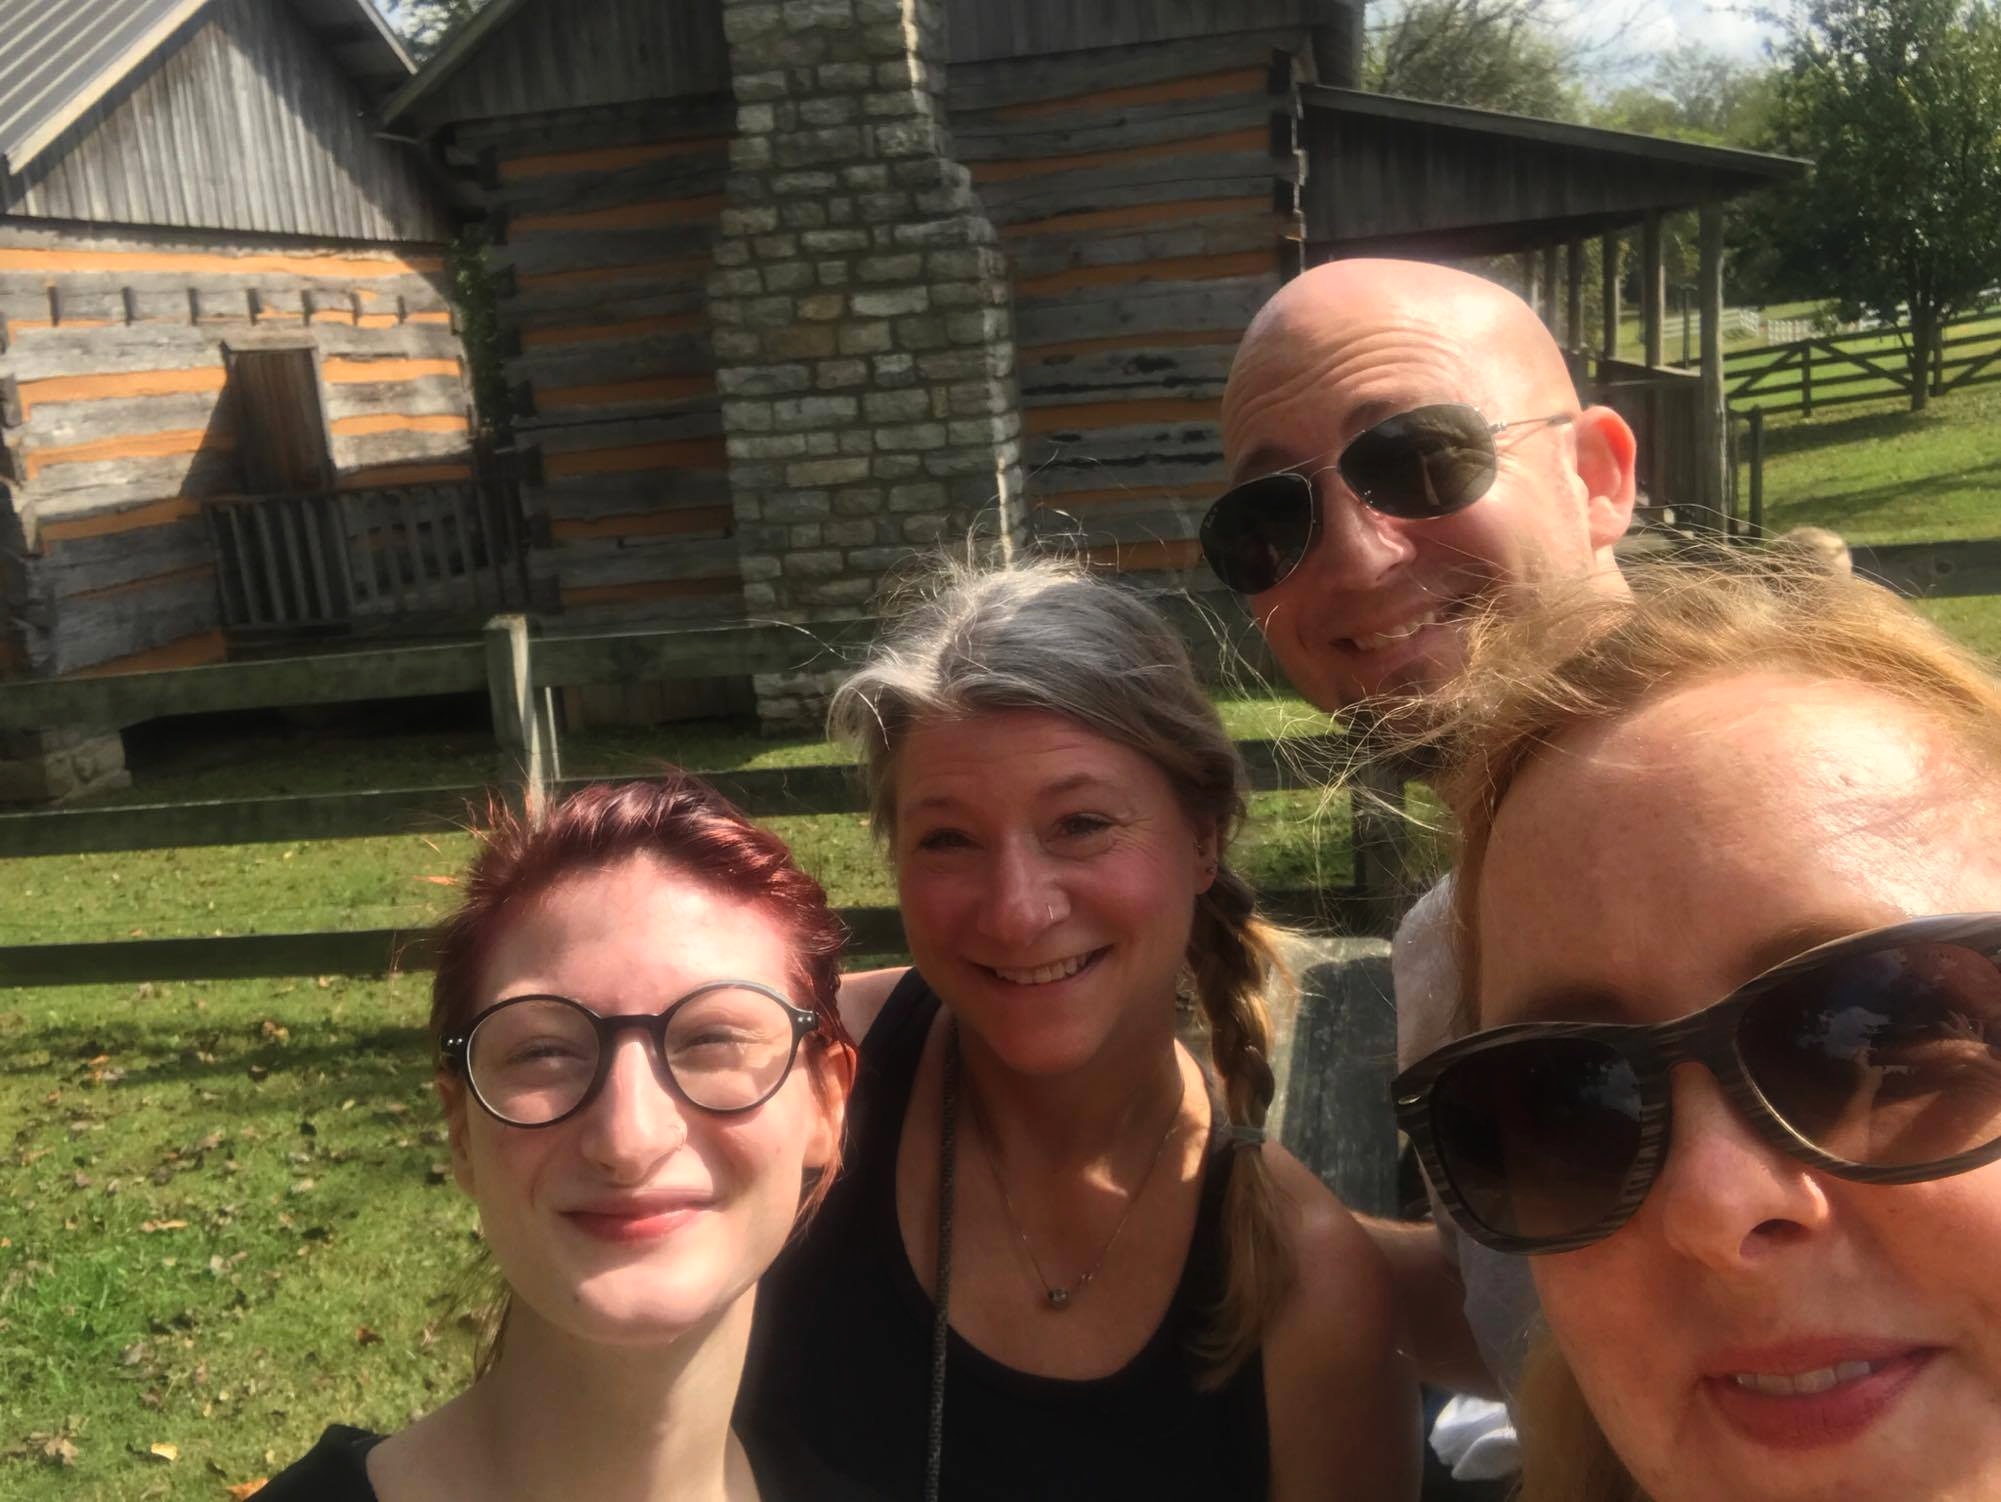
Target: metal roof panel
<point>59,57</point>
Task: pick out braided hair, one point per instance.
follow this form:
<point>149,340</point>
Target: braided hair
<point>1046,635</point>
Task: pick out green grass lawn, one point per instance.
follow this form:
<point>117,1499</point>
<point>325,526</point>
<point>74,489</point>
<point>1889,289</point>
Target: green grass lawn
<point>228,1220</point>
<point>1877,473</point>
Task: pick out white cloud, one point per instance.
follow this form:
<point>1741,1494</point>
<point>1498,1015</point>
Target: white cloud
<point>1631,33</point>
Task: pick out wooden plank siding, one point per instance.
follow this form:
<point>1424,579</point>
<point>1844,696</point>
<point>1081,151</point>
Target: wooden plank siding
<point>1142,196</point>
<point>243,123</point>
<point>606,219</point>
<point>119,425</point>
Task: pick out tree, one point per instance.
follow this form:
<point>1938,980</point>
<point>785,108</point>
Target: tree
<point>423,23</point>
<point>1898,103</point>
<point>1493,54</point>
<point>1695,94</point>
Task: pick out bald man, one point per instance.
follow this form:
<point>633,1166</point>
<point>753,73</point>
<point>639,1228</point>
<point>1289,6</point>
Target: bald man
<point>1405,443</point>
<point>1376,601</point>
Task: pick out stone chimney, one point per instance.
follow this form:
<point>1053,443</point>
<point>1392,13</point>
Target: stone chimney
<point>863,329</point>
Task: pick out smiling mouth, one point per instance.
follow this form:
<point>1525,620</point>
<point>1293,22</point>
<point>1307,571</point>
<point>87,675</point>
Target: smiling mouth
<point>1044,975</point>
<point>638,1224</point>
<point>1806,1384</point>
<point>1377,641</point>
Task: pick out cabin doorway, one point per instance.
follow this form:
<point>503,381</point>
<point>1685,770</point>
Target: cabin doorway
<point>281,428</point>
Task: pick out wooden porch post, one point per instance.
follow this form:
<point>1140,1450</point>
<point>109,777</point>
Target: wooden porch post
<point>1715,449</point>
<point>1549,304</point>
<point>1573,313</point>
<point>1653,287</point>
<point>1609,250</point>
<point>523,715</point>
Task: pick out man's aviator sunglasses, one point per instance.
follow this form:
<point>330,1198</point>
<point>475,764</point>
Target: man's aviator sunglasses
<point>1876,1058</point>
<point>533,1061</point>
<point>1416,466</point>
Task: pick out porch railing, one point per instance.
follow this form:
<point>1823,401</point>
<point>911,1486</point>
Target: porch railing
<point>352,558</point>
<point>1664,409</point>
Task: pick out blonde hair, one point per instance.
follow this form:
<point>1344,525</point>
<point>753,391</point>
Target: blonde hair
<point>1541,671</point>
<point>1575,658</point>
<point>1048,636</point>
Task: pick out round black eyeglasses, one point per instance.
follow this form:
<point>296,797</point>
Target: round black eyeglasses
<point>533,1061</point>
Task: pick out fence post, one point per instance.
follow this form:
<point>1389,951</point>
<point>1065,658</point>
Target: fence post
<point>1806,378</point>
<point>1730,529</point>
<point>1336,1061</point>
<point>524,720</point>
<point>1381,842</point>
<point>1755,522</point>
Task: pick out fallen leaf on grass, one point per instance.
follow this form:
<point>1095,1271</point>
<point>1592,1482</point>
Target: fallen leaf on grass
<point>363,1336</point>
<point>437,881</point>
<point>152,1226</point>
<point>57,1450</point>
<point>246,1489</point>
<point>164,1451</point>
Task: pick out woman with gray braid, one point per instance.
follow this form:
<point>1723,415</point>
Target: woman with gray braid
<point>1063,1263</point>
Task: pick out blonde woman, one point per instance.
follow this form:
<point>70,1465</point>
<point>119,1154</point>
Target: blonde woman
<point>1730,904</point>
<point>1063,1262</point>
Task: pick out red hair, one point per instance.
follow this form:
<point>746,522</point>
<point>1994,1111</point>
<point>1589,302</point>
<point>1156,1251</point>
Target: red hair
<point>677,819</point>
<point>681,821</point>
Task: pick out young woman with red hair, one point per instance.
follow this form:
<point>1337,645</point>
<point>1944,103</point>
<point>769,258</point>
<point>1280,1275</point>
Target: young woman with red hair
<point>645,1078</point>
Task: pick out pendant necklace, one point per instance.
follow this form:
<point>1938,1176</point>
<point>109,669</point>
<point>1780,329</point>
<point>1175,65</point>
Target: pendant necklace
<point>1055,1295</point>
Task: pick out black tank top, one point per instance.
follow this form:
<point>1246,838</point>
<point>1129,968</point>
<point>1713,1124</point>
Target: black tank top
<point>840,1357</point>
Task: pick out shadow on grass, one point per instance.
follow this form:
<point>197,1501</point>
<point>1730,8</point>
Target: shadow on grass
<point>1835,507</point>
<point>1809,437</point>
<point>200,1055</point>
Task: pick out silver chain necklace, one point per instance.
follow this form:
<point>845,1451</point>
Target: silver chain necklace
<point>1055,1296</point>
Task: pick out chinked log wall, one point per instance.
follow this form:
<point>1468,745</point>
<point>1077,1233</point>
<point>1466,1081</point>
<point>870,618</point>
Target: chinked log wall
<point>1146,198</point>
<point>115,426</point>
<point>607,219</point>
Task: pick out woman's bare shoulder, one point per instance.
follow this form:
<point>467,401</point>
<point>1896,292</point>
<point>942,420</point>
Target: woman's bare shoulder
<point>863,993</point>
<point>1333,1349</point>
<point>1338,1263</point>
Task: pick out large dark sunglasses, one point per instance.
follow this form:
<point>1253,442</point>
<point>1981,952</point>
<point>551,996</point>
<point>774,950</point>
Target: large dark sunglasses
<point>1417,466</point>
<point>1876,1058</point>
<point>533,1061</point>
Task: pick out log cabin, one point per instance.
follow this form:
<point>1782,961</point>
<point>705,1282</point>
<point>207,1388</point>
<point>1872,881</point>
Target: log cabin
<point>793,288</point>
<point>225,335</point>
<point>789,292</point>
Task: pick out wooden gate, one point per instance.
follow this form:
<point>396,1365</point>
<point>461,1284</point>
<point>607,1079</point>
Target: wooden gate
<point>410,558</point>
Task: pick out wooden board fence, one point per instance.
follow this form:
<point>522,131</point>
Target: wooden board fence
<point>386,951</point>
<point>765,793</point>
<point>1869,365</point>
<point>520,669</point>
